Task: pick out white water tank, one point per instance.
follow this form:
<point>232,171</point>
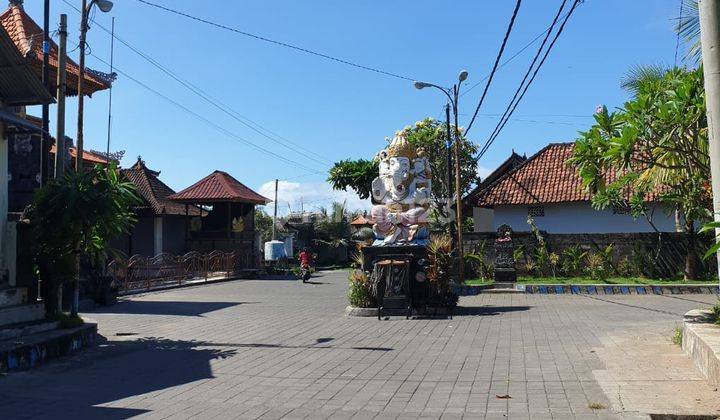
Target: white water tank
<point>274,250</point>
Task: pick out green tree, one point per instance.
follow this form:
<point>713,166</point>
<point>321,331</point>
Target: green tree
<point>77,215</point>
<point>429,134</point>
<point>658,145</point>
<point>263,224</point>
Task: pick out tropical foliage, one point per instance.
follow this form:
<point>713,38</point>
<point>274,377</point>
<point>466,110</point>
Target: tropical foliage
<point>263,224</point>
<point>657,144</point>
<point>77,215</point>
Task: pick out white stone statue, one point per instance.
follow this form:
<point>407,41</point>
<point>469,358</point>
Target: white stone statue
<point>401,194</point>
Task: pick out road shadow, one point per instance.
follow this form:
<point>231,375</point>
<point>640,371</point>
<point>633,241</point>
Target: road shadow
<point>111,372</point>
<point>314,282</point>
<point>489,310</point>
<point>157,307</point>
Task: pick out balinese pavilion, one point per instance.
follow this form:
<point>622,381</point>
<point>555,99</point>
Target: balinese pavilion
<point>227,221</point>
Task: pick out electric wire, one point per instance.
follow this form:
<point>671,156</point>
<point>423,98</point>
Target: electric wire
<point>502,123</point>
<point>677,37</point>
<point>495,66</point>
<point>532,65</point>
<point>504,63</point>
<point>292,146</point>
<point>207,121</point>
<point>272,41</point>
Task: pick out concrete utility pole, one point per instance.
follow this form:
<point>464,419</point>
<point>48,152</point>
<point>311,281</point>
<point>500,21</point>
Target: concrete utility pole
<point>81,81</point>
<point>710,41</point>
<point>275,211</point>
<point>45,136</point>
<point>62,60</point>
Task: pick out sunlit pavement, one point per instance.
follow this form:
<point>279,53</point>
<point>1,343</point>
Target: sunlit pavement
<point>283,349</point>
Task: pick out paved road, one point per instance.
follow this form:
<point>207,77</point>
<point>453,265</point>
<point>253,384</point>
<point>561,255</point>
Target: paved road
<point>281,349</point>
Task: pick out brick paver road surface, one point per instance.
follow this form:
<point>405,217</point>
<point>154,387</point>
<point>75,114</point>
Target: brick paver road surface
<point>282,349</point>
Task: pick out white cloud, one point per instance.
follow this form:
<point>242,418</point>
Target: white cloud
<point>309,196</point>
<point>483,171</point>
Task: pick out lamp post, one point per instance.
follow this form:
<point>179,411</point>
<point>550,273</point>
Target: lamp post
<point>453,95</point>
<point>105,6</point>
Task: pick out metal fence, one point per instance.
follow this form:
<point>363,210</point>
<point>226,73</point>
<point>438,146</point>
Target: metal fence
<point>146,273</point>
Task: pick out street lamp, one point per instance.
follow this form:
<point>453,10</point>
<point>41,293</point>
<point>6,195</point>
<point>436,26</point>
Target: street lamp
<point>105,6</point>
<point>453,94</point>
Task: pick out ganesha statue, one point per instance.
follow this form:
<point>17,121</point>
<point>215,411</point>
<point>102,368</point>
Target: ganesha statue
<point>401,194</point>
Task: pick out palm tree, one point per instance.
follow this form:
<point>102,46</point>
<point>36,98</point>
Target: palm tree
<point>688,27</point>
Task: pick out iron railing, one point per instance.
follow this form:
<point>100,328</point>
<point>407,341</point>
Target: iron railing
<point>138,272</point>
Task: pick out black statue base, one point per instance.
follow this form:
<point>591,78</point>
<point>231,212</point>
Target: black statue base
<point>397,271</point>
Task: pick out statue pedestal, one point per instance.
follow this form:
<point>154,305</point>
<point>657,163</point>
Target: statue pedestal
<point>504,271</point>
<point>394,269</point>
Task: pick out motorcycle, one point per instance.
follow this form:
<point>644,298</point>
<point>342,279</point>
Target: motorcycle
<point>305,273</point>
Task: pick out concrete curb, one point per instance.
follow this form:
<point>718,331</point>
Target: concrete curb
<point>594,289</point>
<point>701,341</point>
<point>363,312</point>
<point>26,352</point>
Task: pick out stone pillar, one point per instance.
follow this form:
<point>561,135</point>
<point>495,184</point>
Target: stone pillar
<point>158,235</point>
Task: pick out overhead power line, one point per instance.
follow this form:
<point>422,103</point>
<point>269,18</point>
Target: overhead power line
<point>495,66</point>
<point>274,137</point>
<point>280,43</point>
<point>511,58</point>
<point>207,121</point>
<point>532,64</point>
<point>512,106</point>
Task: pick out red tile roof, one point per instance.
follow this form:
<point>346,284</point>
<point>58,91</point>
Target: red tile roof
<point>219,186</point>
<point>362,221</point>
<point>545,177</point>
<point>89,157</point>
<point>154,192</point>
<point>28,38</point>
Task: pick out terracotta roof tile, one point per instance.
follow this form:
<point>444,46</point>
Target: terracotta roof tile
<point>219,186</point>
<point>362,221</point>
<point>545,177</point>
<point>89,157</point>
<point>154,192</point>
<point>28,38</point>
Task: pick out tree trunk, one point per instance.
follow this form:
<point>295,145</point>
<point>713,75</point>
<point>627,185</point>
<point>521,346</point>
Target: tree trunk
<point>75,307</point>
<point>691,257</point>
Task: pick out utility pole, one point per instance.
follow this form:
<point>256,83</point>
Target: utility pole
<point>62,61</point>
<point>710,41</point>
<point>44,136</point>
<point>112,56</point>
<point>275,211</point>
<point>458,192</point>
<point>449,172</point>
<point>81,82</point>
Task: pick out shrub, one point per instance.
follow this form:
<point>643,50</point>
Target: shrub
<point>360,293</point>
<point>624,267</point>
<point>715,313</point>
<point>554,260</point>
<point>596,267</point>
<point>482,268</point>
<point>572,261</point>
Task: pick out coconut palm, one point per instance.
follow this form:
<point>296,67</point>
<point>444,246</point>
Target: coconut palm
<point>688,27</point>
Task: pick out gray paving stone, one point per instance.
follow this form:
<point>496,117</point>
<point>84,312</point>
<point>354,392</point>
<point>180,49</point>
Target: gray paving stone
<point>281,349</point>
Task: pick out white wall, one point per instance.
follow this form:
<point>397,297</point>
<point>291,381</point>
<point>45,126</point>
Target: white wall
<point>483,219</point>
<point>578,218</point>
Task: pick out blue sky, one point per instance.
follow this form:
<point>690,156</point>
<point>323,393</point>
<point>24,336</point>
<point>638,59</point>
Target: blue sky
<point>341,112</point>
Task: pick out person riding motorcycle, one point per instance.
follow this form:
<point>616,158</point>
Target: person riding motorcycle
<point>305,258</point>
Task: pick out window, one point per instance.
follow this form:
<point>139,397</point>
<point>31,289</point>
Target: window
<point>536,211</point>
